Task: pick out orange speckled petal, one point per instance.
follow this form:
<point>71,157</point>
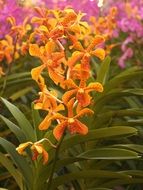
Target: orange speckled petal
<point>83,99</point>
<point>56,77</point>
<point>20,149</point>
<point>70,107</point>
<point>35,72</point>
<point>50,46</point>
<point>78,127</point>
<point>76,56</point>
<point>57,116</point>
<point>94,86</point>
<point>59,130</point>
<point>96,41</point>
<point>45,156</point>
<point>67,95</point>
<point>70,84</point>
<point>45,124</point>
<point>99,52</point>
<point>60,107</point>
<point>34,50</point>
<point>85,111</point>
<point>37,147</point>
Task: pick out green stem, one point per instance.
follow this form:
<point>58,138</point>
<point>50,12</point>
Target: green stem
<point>54,162</point>
<point>4,85</point>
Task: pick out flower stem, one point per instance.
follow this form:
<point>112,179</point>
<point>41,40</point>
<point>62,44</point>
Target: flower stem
<point>54,162</point>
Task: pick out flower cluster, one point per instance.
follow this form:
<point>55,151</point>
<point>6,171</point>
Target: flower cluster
<point>15,43</point>
<point>129,22</point>
<point>67,61</point>
<point>105,24</point>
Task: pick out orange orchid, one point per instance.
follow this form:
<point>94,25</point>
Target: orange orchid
<point>45,124</point>
<point>70,122</point>
<point>7,49</point>
<point>13,44</point>
<point>48,102</point>
<point>55,27</point>
<point>84,54</point>
<point>51,60</point>
<point>19,30</point>
<point>88,51</point>
<point>55,34</point>
<point>37,149</point>
<point>105,25</point>
<point>82,91</point>
<point>44,34</point>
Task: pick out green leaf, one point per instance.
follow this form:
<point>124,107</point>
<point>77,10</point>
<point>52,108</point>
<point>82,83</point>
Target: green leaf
<point>134,173</point>
<point>15,129</point>
<point>134,91</point>
<point>23,122</point>
<point>109,154</point>
<point>20,93</point>
<point>16,76</point>
<point>128,71</point>
<point>86,175</point>
<point>136,147</point>
<point>36,121</point>
<point>60,164</point>
<point>12,170</point>
<point>106,116</point>
<point>121,79</point>
<point>108,132</point>
<point>115,94</point>
<point>117,182</point>
<point>104,70</point>
<point>19,160</point>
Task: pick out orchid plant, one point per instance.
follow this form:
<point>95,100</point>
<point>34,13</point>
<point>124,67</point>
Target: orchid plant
<point>62,72</point>
<point>82,123</point>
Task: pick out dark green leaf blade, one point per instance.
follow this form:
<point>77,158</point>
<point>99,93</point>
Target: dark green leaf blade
<point>109,154</point>
<point>23,122</point>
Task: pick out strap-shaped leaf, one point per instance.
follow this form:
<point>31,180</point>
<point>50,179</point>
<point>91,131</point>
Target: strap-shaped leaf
<point>128,71</point>
<point>16,76</point>
<point>23,122</point>
<point>20,161</point>
<point>125,78</point>
<point>20,93</point>
<point>12,170</point>
<point>105,117</point>
<point>15,129</point>
<point>109,154</point>
<point>116,131</point>
<point>135,147</point>
<point>135,173</point>
<point>115,182</point>
<point>45,172</point>
<point>87,175</point>
<point>36,121</point>
<point>104,70</point>
<point>115,94</point>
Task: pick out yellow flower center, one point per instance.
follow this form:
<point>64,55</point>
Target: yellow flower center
<point>50,62</point>
<point>87,54</point>
<point>81,90</point>
<point>70,120</point>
